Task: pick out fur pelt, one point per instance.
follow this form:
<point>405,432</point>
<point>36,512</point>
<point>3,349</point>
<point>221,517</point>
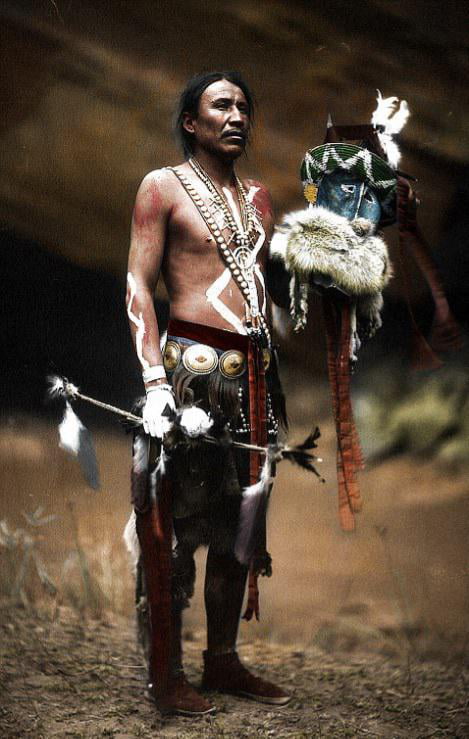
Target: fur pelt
<point>347,254</point>
<point>323,249</point>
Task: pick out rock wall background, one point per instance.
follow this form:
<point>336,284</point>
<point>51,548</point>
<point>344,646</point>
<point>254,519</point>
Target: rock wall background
<point>88,89</point>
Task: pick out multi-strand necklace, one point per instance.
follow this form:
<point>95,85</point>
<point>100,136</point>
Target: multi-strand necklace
<point>241,260</point>
<point>242,237</point>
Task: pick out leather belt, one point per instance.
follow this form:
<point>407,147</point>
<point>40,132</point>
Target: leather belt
<point>201,359</point>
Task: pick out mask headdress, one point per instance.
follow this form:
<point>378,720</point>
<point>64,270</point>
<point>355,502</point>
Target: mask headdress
<point>353,187</point>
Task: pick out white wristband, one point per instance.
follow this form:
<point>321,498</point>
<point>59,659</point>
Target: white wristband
<point>157,372</point>
<point>163,386</point>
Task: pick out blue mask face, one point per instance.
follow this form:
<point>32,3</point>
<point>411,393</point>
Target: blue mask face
<point>348,196</point>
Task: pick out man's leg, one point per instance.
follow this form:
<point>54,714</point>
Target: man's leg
<point>225,583</point>
<point>176,695</point>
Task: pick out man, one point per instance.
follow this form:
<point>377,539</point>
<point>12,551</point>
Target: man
<point>208,234</point>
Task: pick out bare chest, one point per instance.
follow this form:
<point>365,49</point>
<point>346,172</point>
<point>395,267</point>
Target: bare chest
<point>201,229</point>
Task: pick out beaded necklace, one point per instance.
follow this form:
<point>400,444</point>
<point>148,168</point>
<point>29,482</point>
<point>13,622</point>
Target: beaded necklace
<point>244,237</point>
<point>241,260</point>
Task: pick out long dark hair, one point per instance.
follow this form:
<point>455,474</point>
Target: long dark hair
<point>189,102</point>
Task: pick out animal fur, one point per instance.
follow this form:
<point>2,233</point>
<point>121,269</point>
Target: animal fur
<point>319,247</point>
<point>318,242</point>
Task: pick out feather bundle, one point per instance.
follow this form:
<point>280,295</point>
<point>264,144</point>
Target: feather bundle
<point>389,119</point>
<point>195,422</point>
<point>301,454</point>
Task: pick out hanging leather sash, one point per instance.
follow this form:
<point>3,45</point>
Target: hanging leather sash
<point>349,456</point>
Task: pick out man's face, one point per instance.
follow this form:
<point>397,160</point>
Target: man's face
<point>222,123</point>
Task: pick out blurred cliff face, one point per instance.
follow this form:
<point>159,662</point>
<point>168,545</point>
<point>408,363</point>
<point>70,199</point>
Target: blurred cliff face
<point>88,91</point>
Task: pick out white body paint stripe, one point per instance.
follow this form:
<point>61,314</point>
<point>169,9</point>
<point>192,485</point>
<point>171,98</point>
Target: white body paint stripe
<point>212,294</point>
<point>260,277</point>
<point>217,287</point>
<point>138,322</point>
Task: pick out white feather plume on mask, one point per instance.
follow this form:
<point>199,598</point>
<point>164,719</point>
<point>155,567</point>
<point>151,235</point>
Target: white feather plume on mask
<point>391,115</point>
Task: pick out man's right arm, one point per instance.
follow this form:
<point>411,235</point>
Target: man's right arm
<point>148,237</point>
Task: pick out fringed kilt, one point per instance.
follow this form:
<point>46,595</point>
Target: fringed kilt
<point>207,480</point>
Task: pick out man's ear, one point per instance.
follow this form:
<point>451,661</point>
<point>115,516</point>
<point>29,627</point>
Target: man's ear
<point>187,122</point>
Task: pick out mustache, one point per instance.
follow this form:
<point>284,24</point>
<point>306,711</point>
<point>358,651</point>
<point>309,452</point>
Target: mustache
<point>235,132</point>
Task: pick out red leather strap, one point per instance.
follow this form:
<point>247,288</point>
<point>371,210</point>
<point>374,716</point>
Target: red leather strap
<point>349,456</point>
<point>258,424</point>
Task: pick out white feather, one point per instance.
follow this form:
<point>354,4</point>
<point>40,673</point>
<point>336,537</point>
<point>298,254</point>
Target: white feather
<point>264,481</point>
<point>56,385</point>
<point>131,540</point>
<point>195,422</point>
<point>392,115</point>
<point>69,431</point>
<point>384,110</point>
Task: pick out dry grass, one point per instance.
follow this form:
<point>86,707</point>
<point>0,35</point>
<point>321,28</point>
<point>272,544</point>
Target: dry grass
<point>353,624</point>
<point>62,678</point>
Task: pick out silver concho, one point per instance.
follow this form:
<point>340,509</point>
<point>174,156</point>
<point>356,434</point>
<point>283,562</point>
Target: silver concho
<point>200,359</point>
<point>171,355</point>
<point>232,364</point>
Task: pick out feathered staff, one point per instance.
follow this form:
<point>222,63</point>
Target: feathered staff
<point>193,423</point>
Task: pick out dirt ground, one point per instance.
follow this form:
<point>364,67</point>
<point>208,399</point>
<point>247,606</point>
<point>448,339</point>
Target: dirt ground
<point>69,678</point>
<point>368,631</point>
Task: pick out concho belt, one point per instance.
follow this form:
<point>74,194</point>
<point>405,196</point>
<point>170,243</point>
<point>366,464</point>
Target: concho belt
<point>201,359</point>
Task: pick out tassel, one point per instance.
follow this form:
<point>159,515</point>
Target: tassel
<point>252,607</point>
